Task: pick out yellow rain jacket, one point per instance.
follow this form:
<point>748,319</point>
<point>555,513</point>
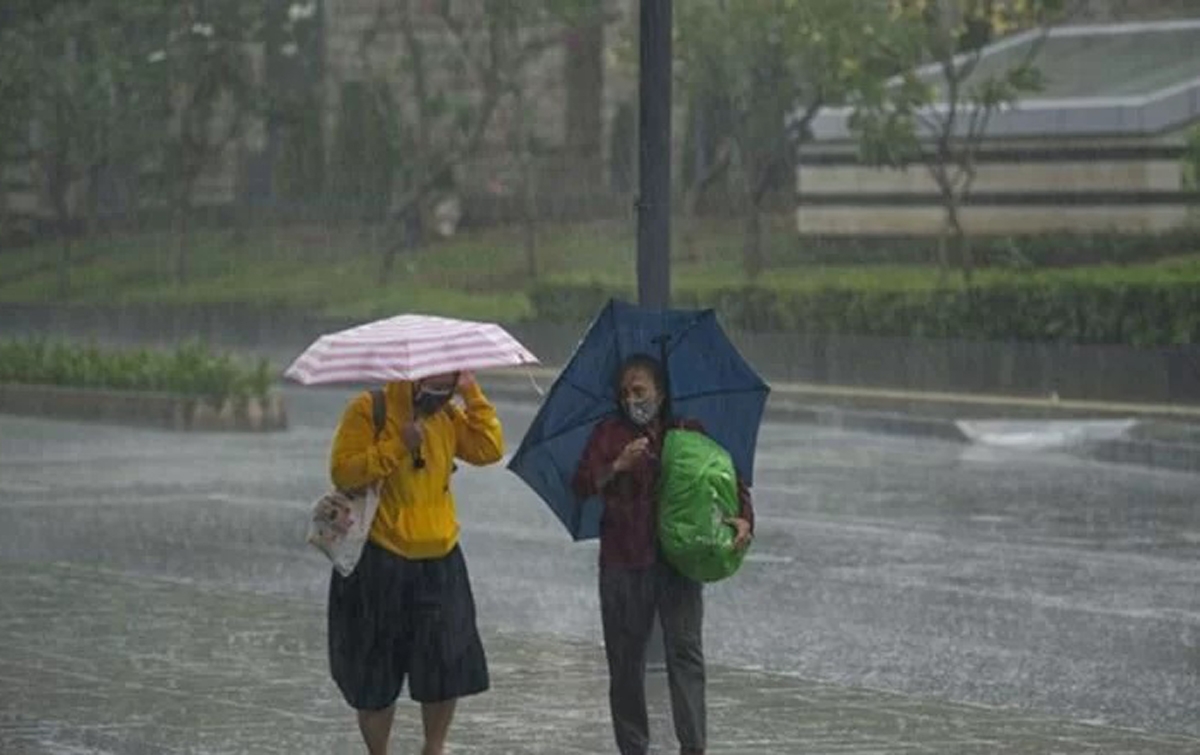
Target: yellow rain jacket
<point>416,517</point>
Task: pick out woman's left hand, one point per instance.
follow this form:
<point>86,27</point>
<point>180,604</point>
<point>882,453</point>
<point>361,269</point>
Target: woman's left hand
<point>466,381</point>
<point>744,535</point>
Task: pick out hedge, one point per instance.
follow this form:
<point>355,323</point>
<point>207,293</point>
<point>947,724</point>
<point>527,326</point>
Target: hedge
<point>1159,314</point>
<point>190,370</point>
<point>1029,251</point>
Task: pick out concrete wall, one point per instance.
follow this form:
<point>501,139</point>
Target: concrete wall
<point>997,221</point>
<point>159,410</point>
<point>1132,186</point>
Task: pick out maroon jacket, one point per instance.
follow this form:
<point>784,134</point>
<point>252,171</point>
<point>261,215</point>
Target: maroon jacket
<point>628,525</point>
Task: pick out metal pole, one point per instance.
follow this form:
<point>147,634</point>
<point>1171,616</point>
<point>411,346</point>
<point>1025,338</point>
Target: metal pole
<point>654,155</point>
<point>654,188</point>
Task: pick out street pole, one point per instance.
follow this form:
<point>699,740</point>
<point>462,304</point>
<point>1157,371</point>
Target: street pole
<point>654,155</point>
<point>654,188</point>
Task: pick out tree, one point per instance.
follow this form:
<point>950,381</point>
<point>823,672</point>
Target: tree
<point>64,70</point>
<point>455,65</point>
<point>202,81</point>
<point>937,110</point>
<point>582,24</point>
<point>293,75</point>
<point>756,72</point>
<point>14,116</point>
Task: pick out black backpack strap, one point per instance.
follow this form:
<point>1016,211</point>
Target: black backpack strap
<point>378,410</point>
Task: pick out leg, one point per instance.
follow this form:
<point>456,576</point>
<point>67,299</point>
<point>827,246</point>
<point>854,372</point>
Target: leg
<point>681,607</point>
<point>448,660</point>
<point>366,642</point>
<point>376,728</point>
<point>436,718</point>
<point>627,611</point>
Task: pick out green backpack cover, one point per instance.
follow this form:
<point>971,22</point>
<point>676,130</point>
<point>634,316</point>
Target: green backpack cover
<point>698,491</point>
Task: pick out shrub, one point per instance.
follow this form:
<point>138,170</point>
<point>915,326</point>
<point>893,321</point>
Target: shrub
<point>1082,311</point>
<point>190,370</point>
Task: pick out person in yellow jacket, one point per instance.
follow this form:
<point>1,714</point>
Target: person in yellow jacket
<point>407,612</point>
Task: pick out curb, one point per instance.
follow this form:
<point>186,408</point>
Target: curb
<point>786,410</point>
<point>143,409</point>
<point>938,417</point>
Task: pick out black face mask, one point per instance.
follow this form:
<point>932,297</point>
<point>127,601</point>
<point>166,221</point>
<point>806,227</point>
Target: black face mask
<point>429,400</point>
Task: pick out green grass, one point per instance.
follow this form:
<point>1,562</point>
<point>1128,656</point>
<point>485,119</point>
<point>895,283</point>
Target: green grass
<point>479,274</point>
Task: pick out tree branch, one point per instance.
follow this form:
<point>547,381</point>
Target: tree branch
<point>799,128</point>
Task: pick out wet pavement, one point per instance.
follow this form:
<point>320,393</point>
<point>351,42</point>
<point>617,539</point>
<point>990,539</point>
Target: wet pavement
<point>903,596</point>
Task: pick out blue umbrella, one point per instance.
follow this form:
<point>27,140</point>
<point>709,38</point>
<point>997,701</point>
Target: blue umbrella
<point>708,380</point>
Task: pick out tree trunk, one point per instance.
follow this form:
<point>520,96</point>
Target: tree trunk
<point>752,225</point>
<point>92,218</point>
<point>958,239</point>
<point>706,175</point>
<point>691,201</point>
<point>584,76</point>
<point>695,188</point>
<point>181,244</point>
<point>64,266</point>
<point>757,185</point>
<point>752,261</point>
<point>529,212</point>
<point>58,185</point>
<point>943,257</point>
<point>522,144</point>
<point>411,229</point>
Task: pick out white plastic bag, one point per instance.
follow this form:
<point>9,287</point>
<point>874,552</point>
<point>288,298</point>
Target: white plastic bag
<point>339,526</point>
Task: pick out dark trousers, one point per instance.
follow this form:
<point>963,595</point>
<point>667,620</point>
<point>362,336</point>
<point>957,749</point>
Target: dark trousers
<point>629,600</point>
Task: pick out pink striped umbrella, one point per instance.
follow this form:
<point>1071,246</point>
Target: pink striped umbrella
<point>408,347</point>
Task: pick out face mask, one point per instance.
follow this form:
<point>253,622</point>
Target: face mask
<point>428,400</point>
<point>642,412</point>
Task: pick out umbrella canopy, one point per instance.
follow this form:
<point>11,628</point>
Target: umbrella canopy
<point>708,380</point>
<point>408,347</point>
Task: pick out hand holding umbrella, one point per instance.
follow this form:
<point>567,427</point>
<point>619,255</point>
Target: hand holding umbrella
<point>708,381</point>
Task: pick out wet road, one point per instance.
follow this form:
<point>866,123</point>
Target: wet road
<point>1040,582</point>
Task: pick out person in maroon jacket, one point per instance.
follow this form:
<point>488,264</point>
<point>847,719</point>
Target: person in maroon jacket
<point>621,464</point>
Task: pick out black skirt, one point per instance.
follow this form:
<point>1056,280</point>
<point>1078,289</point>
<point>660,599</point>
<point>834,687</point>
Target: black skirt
<point>394,619</point>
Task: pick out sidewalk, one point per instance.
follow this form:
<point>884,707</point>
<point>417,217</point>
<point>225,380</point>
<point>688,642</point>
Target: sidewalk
<point>105,662</point>
<point>1164,436</point>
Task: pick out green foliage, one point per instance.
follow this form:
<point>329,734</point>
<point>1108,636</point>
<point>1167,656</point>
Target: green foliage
<point>367,157</point>
<point>892,116</point>
<point>1103,308</point>
<point>756,72</point>
<point>191,370</point>
<point>458,64</point>
<point>937,109</point>
<point>200,77</point>
<point>64,76</point>
<point>572,302</point>
<point>160,84</point>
